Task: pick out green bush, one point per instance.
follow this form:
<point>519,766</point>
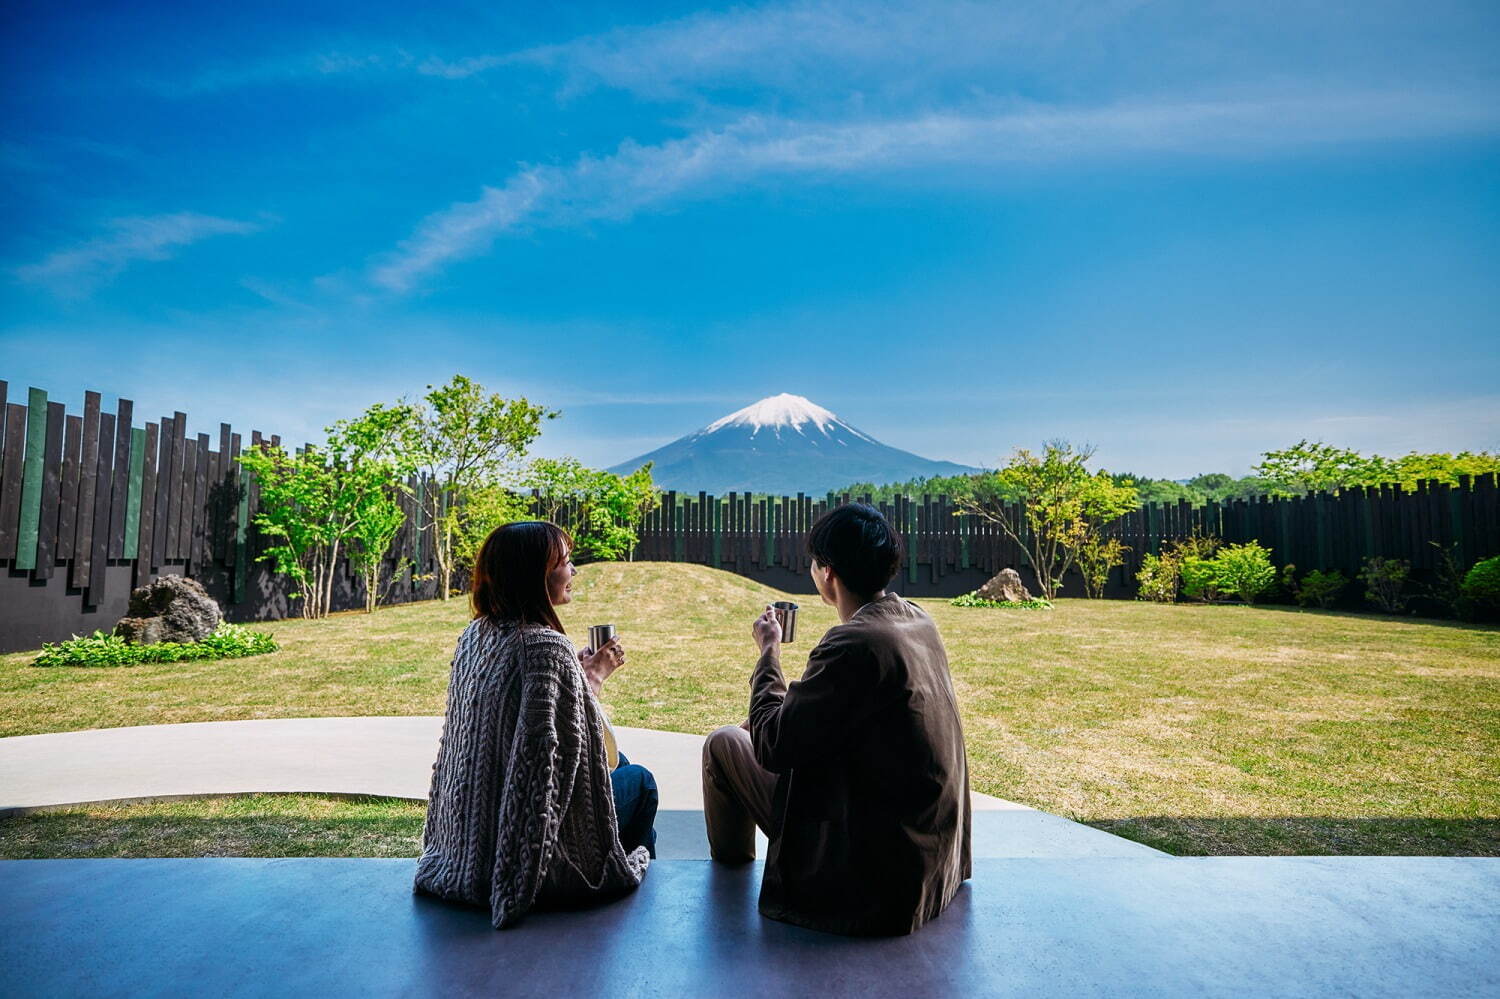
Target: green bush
<point>1480,590</point>
<point>1384,580</point>
<point>1244,570</point>
<point>1200,580</point>
<point>1317,587</point>
<point>974,600</point>
<point>228,641</point>
<point>1159,578</point>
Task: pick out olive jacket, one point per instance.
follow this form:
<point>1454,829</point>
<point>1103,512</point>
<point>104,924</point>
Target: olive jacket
<point>871,814</point>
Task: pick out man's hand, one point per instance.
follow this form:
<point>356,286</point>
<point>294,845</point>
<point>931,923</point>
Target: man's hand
<point>767,630</point>
<point>599,664</point>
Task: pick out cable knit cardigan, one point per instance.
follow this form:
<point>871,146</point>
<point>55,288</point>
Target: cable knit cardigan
<point>521,812</point>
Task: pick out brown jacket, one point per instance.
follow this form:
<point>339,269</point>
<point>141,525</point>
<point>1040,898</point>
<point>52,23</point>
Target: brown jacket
<point>871,823</point>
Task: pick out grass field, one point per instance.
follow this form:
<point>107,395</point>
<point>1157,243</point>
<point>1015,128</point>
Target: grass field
<point>1196,729</point>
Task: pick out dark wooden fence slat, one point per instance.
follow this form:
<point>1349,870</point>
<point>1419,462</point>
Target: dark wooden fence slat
<point>198,511</point>
<point>99,548</point>
<point>131,545</point>
<point>164,472</point>
<point>67,508</point>
<point>10,484</point>
<point>46,538</point>
<point>32,469</point>
<point>120,485</point>
<point>146,544</point>
<point>173,547</point>
<point>88,487</point>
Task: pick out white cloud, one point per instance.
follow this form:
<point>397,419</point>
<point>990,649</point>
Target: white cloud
<point>638,176</point>
<point>79,269</point>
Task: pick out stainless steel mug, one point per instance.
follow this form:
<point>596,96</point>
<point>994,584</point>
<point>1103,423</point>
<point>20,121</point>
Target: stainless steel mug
<point>599,634</point>
<point>786,613</point>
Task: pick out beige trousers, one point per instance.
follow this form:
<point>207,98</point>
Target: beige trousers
<point>737,795</point>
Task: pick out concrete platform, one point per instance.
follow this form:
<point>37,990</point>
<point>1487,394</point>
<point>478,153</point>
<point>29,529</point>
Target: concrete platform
<point>393,756</point>
<point>1143,926</point>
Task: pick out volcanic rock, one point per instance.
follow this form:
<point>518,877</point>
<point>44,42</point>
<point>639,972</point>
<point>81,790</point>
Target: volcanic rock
<point>170,609</point>
<point>1006,585</point>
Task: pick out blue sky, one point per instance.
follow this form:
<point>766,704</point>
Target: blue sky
<point>1185,232</point>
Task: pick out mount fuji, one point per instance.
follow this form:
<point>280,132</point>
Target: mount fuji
<point>782,444</point>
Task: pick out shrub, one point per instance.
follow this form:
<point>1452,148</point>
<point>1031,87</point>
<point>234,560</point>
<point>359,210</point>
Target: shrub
<point>1200,581</point>
<point>228,641</point>
<point>1317,587</point>
<point>1480,590</point>
<point>1384,579</point>
<point>1159,578</point>
<point>1244,570</point>
<point>974,600</point>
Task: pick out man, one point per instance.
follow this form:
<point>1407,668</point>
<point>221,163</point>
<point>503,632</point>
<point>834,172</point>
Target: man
<point>856,773</point>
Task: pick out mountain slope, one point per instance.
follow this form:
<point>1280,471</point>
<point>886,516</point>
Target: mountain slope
<point>782,444</point>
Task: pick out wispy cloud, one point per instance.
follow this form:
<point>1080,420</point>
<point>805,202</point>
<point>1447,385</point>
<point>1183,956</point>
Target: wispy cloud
<point>637,176</point>
<point>79,269</point>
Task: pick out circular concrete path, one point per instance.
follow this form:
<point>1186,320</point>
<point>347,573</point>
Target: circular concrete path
<point>393,756</point>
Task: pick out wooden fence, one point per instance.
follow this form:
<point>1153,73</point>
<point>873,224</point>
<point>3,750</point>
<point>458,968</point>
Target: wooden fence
<point>92,505</point>
<point>751,535</point>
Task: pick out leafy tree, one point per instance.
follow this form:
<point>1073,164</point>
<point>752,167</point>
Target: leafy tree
<point>1097,555</point>
<point>1312,467</point>
<point>463,439</point>
<point>368,451</point>
<point>485,508</point>
<point>313,503</point>
<point>1062,506</point>
<point>558,482</point>
<point>605,510</point>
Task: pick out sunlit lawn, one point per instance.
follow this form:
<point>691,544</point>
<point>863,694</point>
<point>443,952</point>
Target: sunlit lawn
<point>1216,730</point>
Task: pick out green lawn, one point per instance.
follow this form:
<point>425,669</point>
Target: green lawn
<point>1202,730</point>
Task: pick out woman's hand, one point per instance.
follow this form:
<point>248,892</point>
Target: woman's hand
<point>767,629</point>
<point>599,664</point>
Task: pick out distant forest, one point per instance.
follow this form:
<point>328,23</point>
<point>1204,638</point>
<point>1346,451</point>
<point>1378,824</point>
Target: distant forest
<point>1302,468</point>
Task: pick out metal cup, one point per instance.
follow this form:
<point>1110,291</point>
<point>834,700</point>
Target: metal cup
<point>599,634</point>
<point>786,614</point>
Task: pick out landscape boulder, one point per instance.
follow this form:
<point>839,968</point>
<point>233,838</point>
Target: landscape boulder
<point>1006,585</point>
<point>170,609</point>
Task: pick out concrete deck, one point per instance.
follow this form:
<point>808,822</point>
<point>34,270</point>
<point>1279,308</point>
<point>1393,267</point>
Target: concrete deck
<point>1140,926</point>
<point>393,756</point>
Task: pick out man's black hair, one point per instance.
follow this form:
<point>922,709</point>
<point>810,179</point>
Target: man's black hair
<point>859,545</point>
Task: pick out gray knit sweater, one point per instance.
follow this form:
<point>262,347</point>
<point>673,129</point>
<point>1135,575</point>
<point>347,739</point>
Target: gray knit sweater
<point>521,812</point>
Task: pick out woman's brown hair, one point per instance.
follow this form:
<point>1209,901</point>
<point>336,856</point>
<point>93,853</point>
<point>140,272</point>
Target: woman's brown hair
<point>510,572</point>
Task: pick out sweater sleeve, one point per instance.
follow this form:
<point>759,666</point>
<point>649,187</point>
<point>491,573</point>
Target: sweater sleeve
<point>538,771</point>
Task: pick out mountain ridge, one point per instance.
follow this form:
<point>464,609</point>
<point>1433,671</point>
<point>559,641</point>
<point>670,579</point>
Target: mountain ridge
<point>782,444</point>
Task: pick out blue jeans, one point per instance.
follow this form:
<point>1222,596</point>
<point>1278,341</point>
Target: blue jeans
<point>635,805</point>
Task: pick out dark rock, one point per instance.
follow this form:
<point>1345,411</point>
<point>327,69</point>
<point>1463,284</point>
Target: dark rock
<point>169,609</point>
<point>1006,585</point>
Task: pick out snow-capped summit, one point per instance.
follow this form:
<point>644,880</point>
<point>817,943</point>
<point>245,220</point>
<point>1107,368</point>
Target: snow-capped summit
<point>777,411</point>
<point>782,444</point>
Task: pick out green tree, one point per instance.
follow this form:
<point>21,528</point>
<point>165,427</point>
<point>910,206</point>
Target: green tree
<point>485,507</point>
<point>605,509</point>
<point>1049,504</point>
<point>368,451</point>
<point>1313,467</point>
<point>463,439</point>
<point>558,482</point>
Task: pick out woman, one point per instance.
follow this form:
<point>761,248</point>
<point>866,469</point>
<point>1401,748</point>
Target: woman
<point>523,811</point>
